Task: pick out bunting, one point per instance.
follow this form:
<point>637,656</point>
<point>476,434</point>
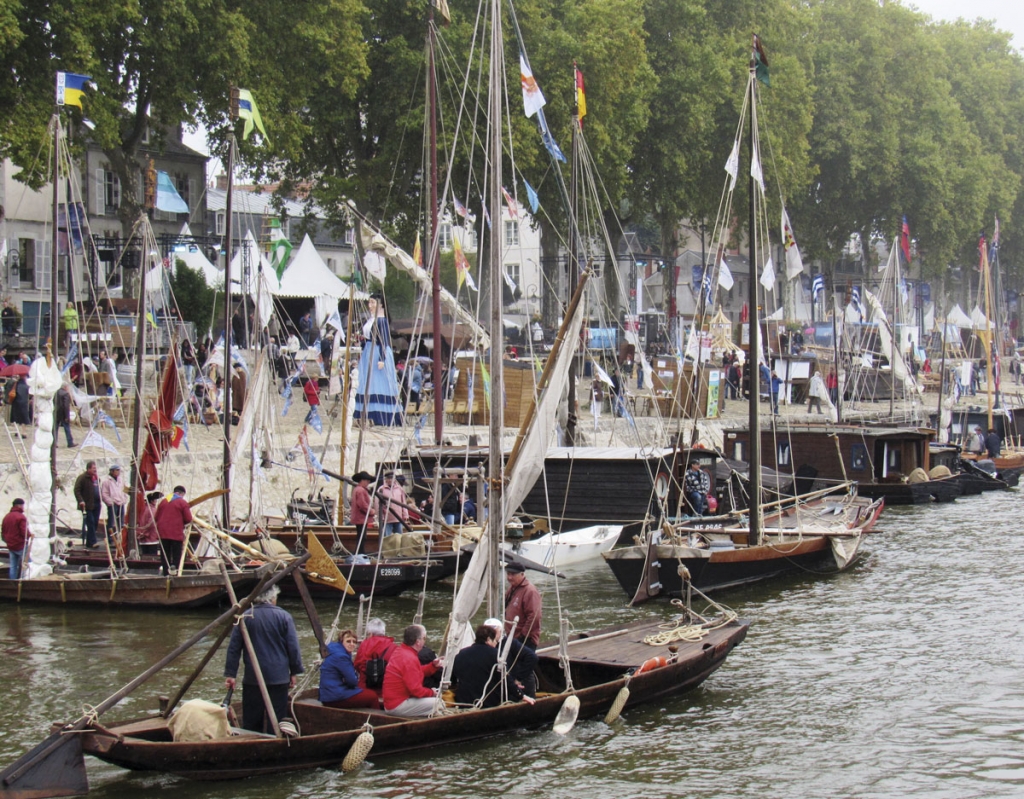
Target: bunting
<point>905,241</point>
<point>794,263</point>
<point>768,276</point>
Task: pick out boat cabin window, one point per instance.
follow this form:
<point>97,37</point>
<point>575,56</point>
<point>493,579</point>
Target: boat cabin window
<point>783,454</point>
<point>739,451</point>
<point>893,459</point>
<point>858,457</point>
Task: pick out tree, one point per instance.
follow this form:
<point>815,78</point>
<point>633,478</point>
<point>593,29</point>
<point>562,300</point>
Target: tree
<point>194,300</point>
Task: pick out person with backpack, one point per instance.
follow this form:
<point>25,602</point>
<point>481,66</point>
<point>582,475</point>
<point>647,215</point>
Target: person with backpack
<point>371,658</point>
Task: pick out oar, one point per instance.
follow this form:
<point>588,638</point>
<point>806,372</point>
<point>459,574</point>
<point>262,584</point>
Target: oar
<point>49,758</point>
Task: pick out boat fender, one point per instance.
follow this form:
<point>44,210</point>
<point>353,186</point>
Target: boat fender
<point>651,664</point>
<point>567,715</point>
<point>620,702</point>
<point>359,750</point>
<point>683,572</point>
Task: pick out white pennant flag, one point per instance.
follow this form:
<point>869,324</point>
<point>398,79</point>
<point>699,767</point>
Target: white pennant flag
<point>94,439</point>
<point>768,275</point>
<point>794,263</point>
<point>469,280</point>
<point>508,280</point>
<point>724,275</point>
<point>376,266</point>
<point>732,166</point>
<point>755,170</point>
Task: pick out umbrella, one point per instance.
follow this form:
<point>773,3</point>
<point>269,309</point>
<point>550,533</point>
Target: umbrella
<point>14,370</point>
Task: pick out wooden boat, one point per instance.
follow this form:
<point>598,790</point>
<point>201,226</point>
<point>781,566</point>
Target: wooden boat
<point>821,536</point>
<point>135,590</point>
<point>573,546</point>
<point>890,463</point>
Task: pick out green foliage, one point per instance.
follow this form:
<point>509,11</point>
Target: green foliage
<point>194,299</point>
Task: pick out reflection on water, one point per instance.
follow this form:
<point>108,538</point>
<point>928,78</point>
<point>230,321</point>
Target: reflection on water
<point>902,677</point>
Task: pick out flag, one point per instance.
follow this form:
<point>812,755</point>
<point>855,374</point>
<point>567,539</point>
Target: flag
<point>552,145</point>
<point>334,320</point>
<point>460,209</point>
<point>248,111</point>
<point>992,253</point>
<point>904,291</point>
<point>983,255</point>
<point>313,419</point>
<point>817,287</point>
<point>724,275</point>
<point>179,414</point>
<point>151,320</point>
<point>417,431</point>
<point>508,279</point>
<point>72,354</point>
<point>531,196</point>
<point>755,170</point>
<point>794,264</point>
<point>177,434</point>
<point>102,417</point>
<point>732,166</point>
<point>417,251</point>
<point>167,197</point>
<point>760,62</point>
<point>707,286</point>
<point>442,9</point>
<point>510,203</point>
<point>94,439</point>
<point>768,275</point>
<point>487,216</point>
<point>461,264</point>
<point>905,241</point>
<point>280,248</point>
<point>533,97</point>
<point>71,88</point>
<point>581,96</point>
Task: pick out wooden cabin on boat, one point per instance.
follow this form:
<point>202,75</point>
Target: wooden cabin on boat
<point>882,460</point>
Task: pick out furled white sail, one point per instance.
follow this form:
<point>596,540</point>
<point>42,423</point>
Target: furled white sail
<point>899,366</point>
<point>254,437</point>
<point>43,381</point>
<point>375,241</point>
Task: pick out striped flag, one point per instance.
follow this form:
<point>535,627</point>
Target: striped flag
<point>817,287</point>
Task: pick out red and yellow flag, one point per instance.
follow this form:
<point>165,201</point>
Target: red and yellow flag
<point>581,96</point>
<point>461,264</point>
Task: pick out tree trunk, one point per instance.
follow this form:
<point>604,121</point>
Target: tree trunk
<point>552,269</point>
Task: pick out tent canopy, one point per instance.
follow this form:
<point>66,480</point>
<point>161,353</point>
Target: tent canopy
<point>192,255</point>
<point>308,276</point>
<point>254,260</point>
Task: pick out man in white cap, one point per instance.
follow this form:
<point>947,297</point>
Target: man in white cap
<point>113,495</point>
<point>521,661</point>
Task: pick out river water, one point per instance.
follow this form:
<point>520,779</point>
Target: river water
<point>902,677</point>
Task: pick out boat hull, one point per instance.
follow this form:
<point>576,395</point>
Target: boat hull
<point>327,733</point>
<point>944,489</point>
<point>575,546</point>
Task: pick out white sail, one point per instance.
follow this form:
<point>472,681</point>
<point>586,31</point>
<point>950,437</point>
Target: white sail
<point>254,437</point>
<point>899,366</point>
<point>375,241</point>
<point>43,381</point>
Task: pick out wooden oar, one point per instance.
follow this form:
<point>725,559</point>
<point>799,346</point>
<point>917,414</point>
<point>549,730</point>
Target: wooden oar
<point>207,497</point>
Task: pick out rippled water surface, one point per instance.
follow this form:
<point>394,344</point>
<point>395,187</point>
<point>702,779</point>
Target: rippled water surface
<point>903,677</point>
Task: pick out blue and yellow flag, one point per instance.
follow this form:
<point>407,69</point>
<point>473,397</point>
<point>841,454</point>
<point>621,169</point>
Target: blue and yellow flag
<point>248,111</point>
<point>71,88</point>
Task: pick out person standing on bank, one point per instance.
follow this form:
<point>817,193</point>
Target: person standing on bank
<point>87,495</point>
<point>816,392</point>
<point>14,531</point>
<point>171,517</point>
<point>113,495</point>
<point>62,413</point>
<point>522,600</point>
<point>278,659</point>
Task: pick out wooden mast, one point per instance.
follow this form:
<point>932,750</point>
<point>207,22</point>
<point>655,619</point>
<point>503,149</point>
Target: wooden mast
<point>226,409</point>
<point>754,459</point>
<point>54,267</point>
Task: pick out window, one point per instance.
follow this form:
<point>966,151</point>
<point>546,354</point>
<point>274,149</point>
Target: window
<point>893,458</point>
<point>107,195</point>
<point>350,237</point>
<point>514,272</point>
<point>332,265</point>
<point>739,451</point>
<point>783,454</point>
<point>219,226</point>
<point>511,233</point>
<point>37,257</point>
<point>444,236</point>
<point>858,458</point>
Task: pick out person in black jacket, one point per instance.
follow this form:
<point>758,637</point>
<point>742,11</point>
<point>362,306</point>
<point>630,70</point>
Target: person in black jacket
<point>62,413</point>
<point>475,673</point>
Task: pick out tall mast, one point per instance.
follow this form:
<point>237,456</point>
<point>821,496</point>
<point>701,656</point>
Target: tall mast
<point>574,257</point>
<point>134,477</point>
<point>754,534</point>
<point>433,255</point>
<point>226,477</point>
<point>54,267</point>
<point>495,464</point>
<point>835,351</point>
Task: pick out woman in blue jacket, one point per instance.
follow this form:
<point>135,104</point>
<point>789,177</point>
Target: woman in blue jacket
<point>339,682</point>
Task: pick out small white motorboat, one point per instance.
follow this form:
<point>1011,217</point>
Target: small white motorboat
<point>574,546</point>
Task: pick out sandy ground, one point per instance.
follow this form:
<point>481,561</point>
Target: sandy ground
<point>199,468</point>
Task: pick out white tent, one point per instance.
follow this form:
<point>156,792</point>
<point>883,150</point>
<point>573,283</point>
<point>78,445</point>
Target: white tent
<point>308,276</point>
<point>193,256</point>
<point>979,319</point>
<point>254,260</point>
<point>959,318</point>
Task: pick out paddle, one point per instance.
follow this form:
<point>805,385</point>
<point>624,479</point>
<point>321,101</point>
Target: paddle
<point>55,767</point>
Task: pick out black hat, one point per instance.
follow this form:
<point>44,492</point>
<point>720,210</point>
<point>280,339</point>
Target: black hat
<point>514,567</point>
<point>358,477</point>
<point>18,501</point>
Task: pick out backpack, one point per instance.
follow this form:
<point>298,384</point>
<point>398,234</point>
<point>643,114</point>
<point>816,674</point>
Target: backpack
<point>375,668</point>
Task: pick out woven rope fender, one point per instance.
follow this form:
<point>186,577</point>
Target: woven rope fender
<point>359,750</point>
<point>620,702</point>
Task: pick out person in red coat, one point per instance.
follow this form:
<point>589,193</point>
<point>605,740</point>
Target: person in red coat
<point>522,601</point>
<point>403,693</point>
<point>171,517</point>
<point>376,644</point>
<point>14,531</point>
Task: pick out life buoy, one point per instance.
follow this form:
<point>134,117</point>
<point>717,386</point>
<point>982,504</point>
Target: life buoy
<point>651,664</point>
<point>661,484</point>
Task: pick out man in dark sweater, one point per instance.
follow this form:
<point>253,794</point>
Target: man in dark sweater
<point>276,645</point>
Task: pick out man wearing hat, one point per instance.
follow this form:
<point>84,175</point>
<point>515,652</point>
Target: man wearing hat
<point>522,601</point>
<point>171,517</point>
<point>391,510</point>
<point>14,530</point>
<point>112,495</point>
<point>361,512</point>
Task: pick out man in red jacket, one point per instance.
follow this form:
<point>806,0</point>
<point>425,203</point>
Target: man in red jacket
<point>171,517</point>
<point>522,602</point>
<point>14,531</point>
<point>403,693</point>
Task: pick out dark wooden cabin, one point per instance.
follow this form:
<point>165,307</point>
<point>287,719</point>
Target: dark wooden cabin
<point>879,459</point>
